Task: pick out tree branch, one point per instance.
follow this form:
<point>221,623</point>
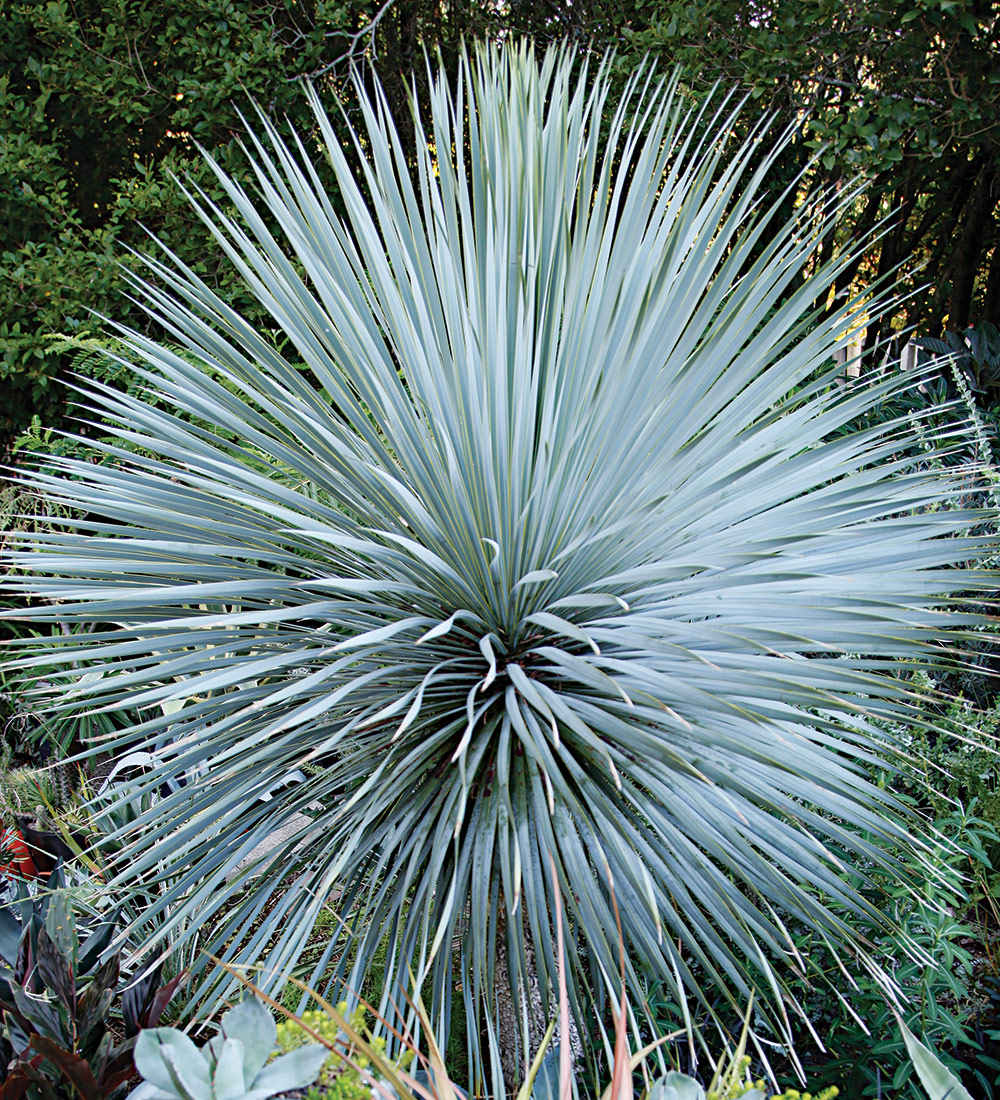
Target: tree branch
<point>348,54</point>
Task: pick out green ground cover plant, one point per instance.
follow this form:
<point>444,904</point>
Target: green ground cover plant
<point>338,1079</point>
<point>507,534</point>
<point>931,955</point>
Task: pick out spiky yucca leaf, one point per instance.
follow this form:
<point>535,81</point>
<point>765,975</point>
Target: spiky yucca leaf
<point>516,547</point>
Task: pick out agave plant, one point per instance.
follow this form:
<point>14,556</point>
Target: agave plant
<point>511,538</point>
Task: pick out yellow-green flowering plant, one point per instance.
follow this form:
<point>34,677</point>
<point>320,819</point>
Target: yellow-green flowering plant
<point>346,1074</point>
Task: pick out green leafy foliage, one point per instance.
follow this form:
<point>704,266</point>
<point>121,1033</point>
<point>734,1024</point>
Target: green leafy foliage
<point>784,54</point>
<point>931,952</point>
<point>957,759</point>
<point>232,1066</point>
<point>976,353</point>
<point>345,1074</point>
<point>938,1081</point>
<point>102,104</point>
<point>932,966</point>
<point>534,559</point>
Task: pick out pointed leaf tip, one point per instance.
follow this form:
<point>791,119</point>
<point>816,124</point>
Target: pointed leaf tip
<point>537,576</point>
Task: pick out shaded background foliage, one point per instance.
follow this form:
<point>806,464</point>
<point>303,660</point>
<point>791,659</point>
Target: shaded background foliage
<point>102,100</point>
<point>906,94</point>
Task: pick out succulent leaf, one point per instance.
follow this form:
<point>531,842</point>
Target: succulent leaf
<point>228,1081</point>
<point>159,1051</point>
<point>676,1086</point>
<point>251,1023</point>
<point>294,1070</point>
<point>231,1066</point>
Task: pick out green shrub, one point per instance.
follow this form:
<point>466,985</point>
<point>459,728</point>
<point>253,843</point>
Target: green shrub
<point>959,761</point>
<point>338,1080</point>
<point>929,958</point>
<point>102,106</point>
<point>927,950</point>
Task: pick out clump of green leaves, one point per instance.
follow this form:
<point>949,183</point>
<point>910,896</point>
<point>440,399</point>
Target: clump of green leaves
<point>341,1077</point>
<point>929,953</point>
<point>975,351</point>
<point>958,759</point>
<point>932,1080</point>
<point>931,963</point>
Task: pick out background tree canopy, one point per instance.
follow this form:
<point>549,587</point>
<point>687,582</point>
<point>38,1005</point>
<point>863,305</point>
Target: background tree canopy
<point>102,101</point>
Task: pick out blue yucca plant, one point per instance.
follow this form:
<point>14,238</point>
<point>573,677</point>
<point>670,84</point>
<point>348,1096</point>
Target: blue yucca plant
<point>529,541</point>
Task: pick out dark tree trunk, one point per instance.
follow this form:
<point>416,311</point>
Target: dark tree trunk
<point>511,1013</point>
<point>519,1021</point>
<point>945,231</point>
<point>965,260</point>
<point>890,256</point>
